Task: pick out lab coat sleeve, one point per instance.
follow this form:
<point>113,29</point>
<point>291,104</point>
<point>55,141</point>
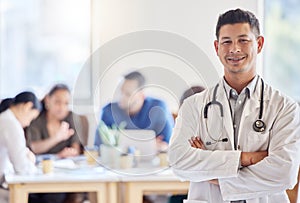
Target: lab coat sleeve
<point>192,164</point>
<point>278,171</point>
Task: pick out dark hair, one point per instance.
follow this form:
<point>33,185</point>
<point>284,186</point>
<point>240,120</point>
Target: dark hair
<point>58,87</point>
<point>54,89</point>
<point>5,104</point>
<point>137,76</point>
<point>191,91</point>
<point>23,97</point>
<point>238,16</point>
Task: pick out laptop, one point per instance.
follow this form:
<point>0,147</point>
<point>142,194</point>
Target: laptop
<point>141,141</point>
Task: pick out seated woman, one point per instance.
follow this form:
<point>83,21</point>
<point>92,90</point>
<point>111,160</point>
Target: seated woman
<point>53,132</point>
<point>16,114</point>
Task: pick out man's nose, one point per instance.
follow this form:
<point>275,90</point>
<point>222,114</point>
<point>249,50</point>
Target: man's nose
<point>235,47</point>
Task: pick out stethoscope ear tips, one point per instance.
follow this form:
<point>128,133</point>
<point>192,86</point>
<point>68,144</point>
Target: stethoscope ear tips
<point>259,126</point>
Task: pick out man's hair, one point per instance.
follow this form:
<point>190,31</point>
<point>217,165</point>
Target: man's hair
<point>137,76</point>
<point>238,16</point>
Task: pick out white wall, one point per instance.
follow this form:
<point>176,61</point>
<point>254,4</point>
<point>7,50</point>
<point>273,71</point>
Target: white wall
<point>193,20</point>
<point>163,39</point>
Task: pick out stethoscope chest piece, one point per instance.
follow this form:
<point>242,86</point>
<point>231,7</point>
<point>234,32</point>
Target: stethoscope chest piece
<point>259,126</point>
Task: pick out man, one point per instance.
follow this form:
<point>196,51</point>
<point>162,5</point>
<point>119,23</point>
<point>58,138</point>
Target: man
<point>138,111</point>
<point>237,141</point>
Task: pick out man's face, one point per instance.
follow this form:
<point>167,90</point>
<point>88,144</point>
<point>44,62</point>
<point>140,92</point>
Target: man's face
<point>131,95</point>
<point>238,47</point>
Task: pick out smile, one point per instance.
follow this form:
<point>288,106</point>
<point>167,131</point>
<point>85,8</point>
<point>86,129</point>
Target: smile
<point>235,59</point>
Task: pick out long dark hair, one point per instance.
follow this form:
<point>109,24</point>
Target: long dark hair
<point>54,89</point>
<point>22,97</point>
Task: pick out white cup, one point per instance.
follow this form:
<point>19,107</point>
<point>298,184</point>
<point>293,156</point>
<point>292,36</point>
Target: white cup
<point>126,161</point>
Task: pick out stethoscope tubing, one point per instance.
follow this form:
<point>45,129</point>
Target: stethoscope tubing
<point>258,125</point>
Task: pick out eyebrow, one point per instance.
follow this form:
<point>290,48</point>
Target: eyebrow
<point>226,38</point>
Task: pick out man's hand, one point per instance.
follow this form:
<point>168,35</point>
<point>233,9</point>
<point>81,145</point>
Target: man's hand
<point>247,158</point>
<point>196,142</point>
<point>161,144</point>
<point>250,158</point>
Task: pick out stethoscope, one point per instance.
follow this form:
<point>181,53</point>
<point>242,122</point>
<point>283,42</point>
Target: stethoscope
<point>258,125</point>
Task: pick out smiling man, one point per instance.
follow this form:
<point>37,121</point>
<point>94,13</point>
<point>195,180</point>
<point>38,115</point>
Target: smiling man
<point>239,140</point>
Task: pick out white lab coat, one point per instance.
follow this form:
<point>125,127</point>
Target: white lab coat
<point>264,182</point>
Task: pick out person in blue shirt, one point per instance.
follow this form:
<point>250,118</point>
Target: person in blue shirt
<point>138,111</point>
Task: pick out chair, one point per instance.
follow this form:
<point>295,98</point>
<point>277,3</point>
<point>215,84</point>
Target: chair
<point>82,128</point>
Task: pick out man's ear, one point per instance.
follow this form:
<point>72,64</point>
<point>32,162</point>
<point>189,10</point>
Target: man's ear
<point>216,44</point>
<point>260,43</point>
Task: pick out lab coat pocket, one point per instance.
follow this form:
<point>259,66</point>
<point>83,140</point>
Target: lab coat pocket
<point>258,141</point>
<point>194,201</point>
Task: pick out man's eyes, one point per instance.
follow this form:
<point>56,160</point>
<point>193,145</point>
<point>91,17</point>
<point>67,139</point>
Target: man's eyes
<point>243,41</point>
<point>226,42</point>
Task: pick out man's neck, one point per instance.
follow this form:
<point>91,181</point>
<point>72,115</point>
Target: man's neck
<point>238,81</point>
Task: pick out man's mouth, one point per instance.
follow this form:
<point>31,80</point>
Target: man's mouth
<point>235,59</point>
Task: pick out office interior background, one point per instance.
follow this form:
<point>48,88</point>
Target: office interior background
<point>90,44</point>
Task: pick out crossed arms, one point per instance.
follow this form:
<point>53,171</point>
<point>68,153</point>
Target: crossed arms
<point>247,158</point>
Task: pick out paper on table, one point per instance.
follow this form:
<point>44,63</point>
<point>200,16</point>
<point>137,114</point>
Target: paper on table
<point>65,163</point>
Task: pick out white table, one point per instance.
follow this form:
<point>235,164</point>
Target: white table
<point>126,186</point>
<point>103,183</point>
<point>163,182</point>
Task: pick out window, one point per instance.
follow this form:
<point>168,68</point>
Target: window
<point>282,45</point>
<point>42,42</point>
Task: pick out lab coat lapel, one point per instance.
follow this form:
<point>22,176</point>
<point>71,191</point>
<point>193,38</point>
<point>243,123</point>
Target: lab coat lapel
<point>252,106</point>
<point>228,124</point>
<point>251,111</point>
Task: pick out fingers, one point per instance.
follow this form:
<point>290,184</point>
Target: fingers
<point>191,143</point>
<point>71,132</point>
<point>64,125</point>
<point>196,142</point>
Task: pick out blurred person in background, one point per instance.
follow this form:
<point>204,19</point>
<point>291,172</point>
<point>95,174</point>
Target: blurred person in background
<point>190,91</point>
<point>138,111</point>
<point>16,114</point>
<point>53,132</point>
